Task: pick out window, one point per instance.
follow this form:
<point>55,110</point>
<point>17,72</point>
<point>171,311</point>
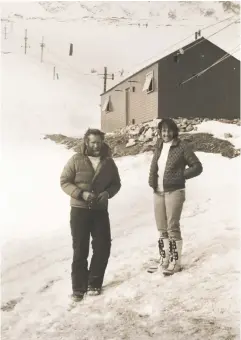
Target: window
<point>149,83</point>
<point>107,105</point>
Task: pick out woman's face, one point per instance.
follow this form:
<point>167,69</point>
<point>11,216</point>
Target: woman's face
<point>166,134</point>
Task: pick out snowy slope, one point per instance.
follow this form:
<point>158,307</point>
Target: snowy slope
<point>71,104</point>
<point>122,10</point>
<point>117,22</point>
<point>200,302</point>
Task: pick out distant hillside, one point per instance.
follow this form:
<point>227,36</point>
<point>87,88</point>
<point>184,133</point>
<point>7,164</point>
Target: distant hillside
<point>149,12</point>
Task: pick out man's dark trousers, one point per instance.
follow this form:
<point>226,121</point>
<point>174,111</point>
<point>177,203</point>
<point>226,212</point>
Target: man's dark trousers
<point>86,222</point>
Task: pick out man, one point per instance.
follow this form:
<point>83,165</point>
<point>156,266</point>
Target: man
<point>90,178</point>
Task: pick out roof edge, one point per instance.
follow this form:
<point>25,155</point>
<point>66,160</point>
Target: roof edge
<point>149,65</point>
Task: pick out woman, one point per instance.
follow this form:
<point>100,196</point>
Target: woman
<point>167,177</point>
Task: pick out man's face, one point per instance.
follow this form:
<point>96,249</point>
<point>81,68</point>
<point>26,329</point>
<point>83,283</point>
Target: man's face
<point>94,145</point>
<point>167,134</point>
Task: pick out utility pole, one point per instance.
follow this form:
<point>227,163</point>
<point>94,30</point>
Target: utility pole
<point>5,31</point>
<point>71,49</point>
<point>25,42</point>
<point>42,48</point>
<point>106,76</point>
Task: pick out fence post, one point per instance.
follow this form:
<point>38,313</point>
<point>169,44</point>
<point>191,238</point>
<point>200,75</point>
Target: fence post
<point>42,45</point>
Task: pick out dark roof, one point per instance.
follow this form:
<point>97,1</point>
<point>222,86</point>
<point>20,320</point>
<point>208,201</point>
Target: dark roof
<point>157,61</point>
<point>149,65</point>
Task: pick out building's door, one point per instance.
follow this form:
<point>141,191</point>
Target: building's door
<point>127,106</point>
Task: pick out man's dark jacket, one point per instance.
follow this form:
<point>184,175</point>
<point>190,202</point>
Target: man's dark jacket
<point>79,175</point>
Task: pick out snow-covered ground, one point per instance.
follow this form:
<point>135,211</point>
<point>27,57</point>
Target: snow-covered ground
<point>200,302</point>
<point>220,130</point>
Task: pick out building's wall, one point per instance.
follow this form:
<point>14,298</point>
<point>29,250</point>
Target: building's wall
<point>142,108</point>
<point>215,94</point>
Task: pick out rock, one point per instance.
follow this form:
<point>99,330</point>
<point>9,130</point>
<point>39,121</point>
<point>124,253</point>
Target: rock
<point>139,138</point>
<point>152,143</point>
<point>110,134</point>
<point>237,152</point>
<point>154,123</point>
<point>130,143</point>
<point>142,138</point>
<point>115,151</point>
<point>228,135</point>
<point>147,147</point>
<point>189,128</point>
<point>135,132</point>
<point>196,121</point>
<point>149,133</point>
<point>118,141</point>
<point>141,130</point>
<point>146,127</point>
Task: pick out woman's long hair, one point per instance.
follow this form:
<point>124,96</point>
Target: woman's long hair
<point>170,124</point>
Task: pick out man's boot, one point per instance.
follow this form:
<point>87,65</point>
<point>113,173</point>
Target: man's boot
<point>163,245</point>
<point>175,248</point>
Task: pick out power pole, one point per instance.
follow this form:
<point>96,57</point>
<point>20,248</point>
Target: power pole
<point>42,48</point>
<point>5,31</point>
<point>106,76</point>
<point>71,49</point>
<point>25,42</point>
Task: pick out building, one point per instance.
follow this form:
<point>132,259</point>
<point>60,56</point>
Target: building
<point>155,91</point>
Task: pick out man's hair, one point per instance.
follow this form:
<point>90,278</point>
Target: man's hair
<point>170,124</point>
<point>95,132</point>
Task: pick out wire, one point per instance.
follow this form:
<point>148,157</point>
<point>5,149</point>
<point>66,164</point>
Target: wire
<point>189,36</point>
<point>224,57</point>
<point>219,22</point>
<point>211,35</point>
